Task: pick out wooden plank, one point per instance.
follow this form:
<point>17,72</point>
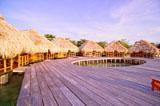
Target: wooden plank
<point>99,92</point>
<point>58,94</point>
<point>70,67</point>
<point>48,99</point>
<point>81,95</point>
<point>24,96</point>
<point>70,96</point>
<point>36,97</point>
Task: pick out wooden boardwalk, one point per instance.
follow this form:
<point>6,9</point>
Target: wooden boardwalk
<point>60,83</point>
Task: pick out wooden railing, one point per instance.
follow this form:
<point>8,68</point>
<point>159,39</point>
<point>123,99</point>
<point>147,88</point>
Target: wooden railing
<point>115,54</point>
<point>145,55</point>
<point>7,65</point>
<point>60,55</point>
<point>26,59</point>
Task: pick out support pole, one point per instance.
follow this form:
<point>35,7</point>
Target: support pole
<point>5,64</point>
<point>11,64</point>
<point>19,60</point>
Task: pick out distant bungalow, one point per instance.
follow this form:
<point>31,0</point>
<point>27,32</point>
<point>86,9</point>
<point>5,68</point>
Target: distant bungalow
<point>66,48</point>
<point>43,45</point>
<point>143,48</point>
<point>115,49</point>
<point>91,48</point>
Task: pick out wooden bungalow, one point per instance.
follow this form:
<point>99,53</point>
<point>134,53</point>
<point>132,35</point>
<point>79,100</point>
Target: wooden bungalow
<point>115,49</point>
<point>45,48</point>
<point>91,48</point>
<point>13,47</point>
<point>68,49</point>
<point>143,48</point>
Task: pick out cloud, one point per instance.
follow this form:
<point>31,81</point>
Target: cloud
<point>136,11</point>
<point>151,31</point>
<point>134,19</point>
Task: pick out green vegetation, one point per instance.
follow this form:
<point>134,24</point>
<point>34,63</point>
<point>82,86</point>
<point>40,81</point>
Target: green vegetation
<point>157,45</point>
<point>49,36</point>
<point>125,43</point>
<point>102,43</point>
<point>80,42</point>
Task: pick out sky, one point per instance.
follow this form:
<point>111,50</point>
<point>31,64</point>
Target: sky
<point>98,20</point>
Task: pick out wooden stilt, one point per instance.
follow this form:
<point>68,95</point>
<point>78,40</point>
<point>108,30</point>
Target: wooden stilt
<point>5,64</point>
<point>19,61</point>
<point>11,64</point>
<point>22,60</point>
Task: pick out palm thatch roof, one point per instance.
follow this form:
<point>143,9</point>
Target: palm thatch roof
<point>90,46</point>
<point>42,44</point>
<point>115,46</point>
<point>65,45</point>
<point>143,46</point>
<point>12,42</point>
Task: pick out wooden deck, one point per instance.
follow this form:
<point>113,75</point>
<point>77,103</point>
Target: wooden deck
<point>60,83</point>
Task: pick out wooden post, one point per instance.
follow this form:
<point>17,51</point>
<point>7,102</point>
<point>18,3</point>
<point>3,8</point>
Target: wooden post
<point>25,62</point>
<point>22,57</point>
<point>19,60</point>
<point>5,64</point>
<point>11,64</point>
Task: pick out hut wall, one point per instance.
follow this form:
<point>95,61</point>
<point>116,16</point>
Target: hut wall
<point>60,55</point>
<point>142,54</point>
<point>51,56</point>
<point>91,54</point>
<point>71,54</point>
<point>115,54</point>
<point>87,54</point>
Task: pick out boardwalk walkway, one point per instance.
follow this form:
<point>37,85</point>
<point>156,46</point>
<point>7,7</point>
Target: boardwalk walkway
<point>59,83</point>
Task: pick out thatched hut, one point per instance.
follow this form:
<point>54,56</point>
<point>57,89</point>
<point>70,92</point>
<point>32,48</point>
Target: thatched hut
<point>143,48</point>
<point>67,48</point>
<point>115,49</point>
<point>13,44</point>
<point>91,48</point>
<point>43,45</point>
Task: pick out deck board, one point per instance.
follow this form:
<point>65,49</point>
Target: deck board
<point>60,83</point>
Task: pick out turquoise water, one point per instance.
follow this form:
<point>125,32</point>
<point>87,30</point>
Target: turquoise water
<point>10,91</point>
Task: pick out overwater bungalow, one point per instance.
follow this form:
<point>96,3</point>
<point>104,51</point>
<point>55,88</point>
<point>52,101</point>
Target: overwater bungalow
<point>143,48</point>
<point>66,48</point>
<point>91,48</point>
<point>115,49</point>
<point>13,46</point>
<point>46,49</point>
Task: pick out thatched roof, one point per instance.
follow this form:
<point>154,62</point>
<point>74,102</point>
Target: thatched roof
<point>42,44</point>
<point>65,45</point>
<point>143,46</point>
<point>115,46</point>
<point>90,46</point>
<point>12,42</point>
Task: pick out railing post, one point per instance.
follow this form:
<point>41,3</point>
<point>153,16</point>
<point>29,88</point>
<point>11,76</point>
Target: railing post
<point>19,61</point>
<point>11,64</point>
<point>5,64</point>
